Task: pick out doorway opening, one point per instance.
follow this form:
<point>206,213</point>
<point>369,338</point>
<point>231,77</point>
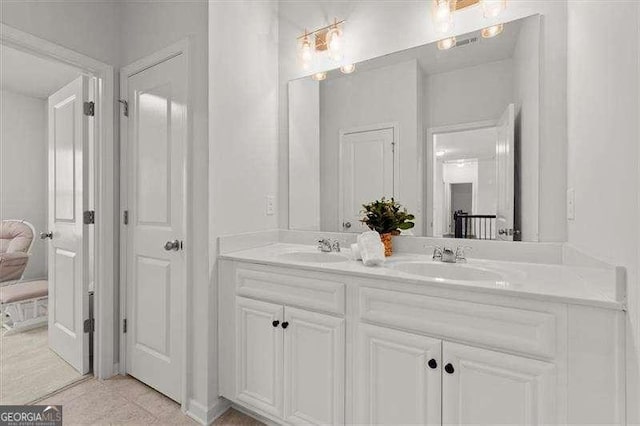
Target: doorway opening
<point>56,265</point>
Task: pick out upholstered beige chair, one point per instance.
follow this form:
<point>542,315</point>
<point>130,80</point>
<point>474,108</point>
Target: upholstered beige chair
<point>16,241</point>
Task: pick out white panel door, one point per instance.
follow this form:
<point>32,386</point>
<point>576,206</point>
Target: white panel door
<point>366,173</point>
<point>314,356</point>
<point>399,377</point>
<point>483,387</point>
<point>505,179</point>
<point>259,345</point>
<point>68,271</point>
<point>157,135</point>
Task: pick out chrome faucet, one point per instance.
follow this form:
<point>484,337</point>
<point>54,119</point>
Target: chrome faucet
<point>327,245</point>
<point>447,255</point>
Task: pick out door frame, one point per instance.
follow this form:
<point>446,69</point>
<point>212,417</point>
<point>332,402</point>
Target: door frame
<point>430,160</point>
<point>396,159</point>
<point>179,48</point>
<point>104,164</point>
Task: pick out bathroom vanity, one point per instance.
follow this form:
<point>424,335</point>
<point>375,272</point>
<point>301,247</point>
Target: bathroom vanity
<point>316,338</point>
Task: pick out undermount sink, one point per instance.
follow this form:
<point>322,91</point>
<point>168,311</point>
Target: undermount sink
<point>448,271</point>
<point>310,257</point>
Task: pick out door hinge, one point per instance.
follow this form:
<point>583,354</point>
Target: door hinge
<point>89,109</point>
<point>125,217</point>
<point>124,325</point>
<point>125,107</point>
<point>89,325</point>
<point>89,217</point>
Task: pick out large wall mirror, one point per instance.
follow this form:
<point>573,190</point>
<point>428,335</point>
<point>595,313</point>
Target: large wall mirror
<point>452,135</point>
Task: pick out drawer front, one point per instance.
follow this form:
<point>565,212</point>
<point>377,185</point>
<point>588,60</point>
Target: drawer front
<point>299,289</point>
<point>525,331</point>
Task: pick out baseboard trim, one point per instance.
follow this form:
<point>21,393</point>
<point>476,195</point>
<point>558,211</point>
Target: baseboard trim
<point>204,416</point>
<point>260,417</point>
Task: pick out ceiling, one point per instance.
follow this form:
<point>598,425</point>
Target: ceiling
<point>31,75</point>
<point>468,144</point>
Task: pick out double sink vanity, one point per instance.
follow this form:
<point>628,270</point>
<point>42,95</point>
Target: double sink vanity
<point>308,337</point>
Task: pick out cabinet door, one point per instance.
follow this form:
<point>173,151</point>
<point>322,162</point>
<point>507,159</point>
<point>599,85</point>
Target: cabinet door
<point>314,357</point>
<point>483,387</point>
<point>399,377</point>
<point>259,350</point>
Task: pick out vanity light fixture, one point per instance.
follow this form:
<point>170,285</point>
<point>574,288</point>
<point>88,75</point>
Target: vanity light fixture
<point>306,52</point>
<point>319,76</point>
<point>492,31</point>
<point>442,14</point>
<point>446,43</point>
<point>348,69</point>
<point>329,39</point>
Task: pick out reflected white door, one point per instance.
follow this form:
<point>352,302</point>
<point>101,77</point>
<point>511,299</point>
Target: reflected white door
<point>399,377</point>
<point>483,387</point>
<point>157,135</point>
<point>366,173</point>
<point>68,269</point>
<point>505,175</point>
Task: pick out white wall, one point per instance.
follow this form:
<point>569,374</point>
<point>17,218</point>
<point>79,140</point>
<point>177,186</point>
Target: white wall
<point>379,96</point>
<point>470,94</point>
<point>89,27</point>
<point>378,28</point>
<point>23,169</point>
<point>243,133</point>
<point>146,27</point>
<point>603,133</point>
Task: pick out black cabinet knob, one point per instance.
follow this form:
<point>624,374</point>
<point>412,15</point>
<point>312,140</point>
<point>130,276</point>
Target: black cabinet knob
<point>285,324</point>
<point>449,368</point>
<point>276,323</point>
<point>433,364</point>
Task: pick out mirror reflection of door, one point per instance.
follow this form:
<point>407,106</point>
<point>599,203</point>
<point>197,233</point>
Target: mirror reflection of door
<point>366,172</point>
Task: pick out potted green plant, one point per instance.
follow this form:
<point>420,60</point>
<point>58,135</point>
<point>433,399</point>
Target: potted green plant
<point>388,218</point>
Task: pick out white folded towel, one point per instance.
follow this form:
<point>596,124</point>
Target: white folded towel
<point>371,248</point>
<point>355,252</point>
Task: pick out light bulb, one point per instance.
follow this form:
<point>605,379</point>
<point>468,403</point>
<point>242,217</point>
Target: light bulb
<point>446,43</point>
<point>319,76</point>
<point>306,50</point>
<point>492,31</point>
<point>442,14</point>
<point>441,153</point>
<point>334,43</point>
<point>306,53</point>
<point>493,8</point>
<point>348,69</point>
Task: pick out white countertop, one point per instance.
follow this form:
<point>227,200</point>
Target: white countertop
<point>553,283</point>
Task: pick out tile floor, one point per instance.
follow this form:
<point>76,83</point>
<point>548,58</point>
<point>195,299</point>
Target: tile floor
<point>124,400</point>
<point>29,369</point>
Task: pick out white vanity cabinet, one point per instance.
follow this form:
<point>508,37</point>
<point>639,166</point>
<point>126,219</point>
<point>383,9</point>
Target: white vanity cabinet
<point>287,363</point>
<point>411,379</point>
<point>364,350</point>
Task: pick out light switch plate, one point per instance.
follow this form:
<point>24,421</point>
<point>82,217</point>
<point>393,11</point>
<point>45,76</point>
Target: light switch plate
<point>571,204</point>
<point>270,207</point>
